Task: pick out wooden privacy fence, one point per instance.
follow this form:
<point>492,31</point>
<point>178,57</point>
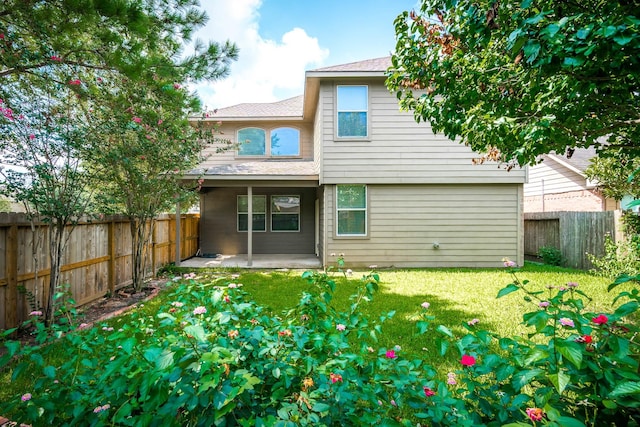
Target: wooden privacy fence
<point>575,234</point>
<point>97,260</point>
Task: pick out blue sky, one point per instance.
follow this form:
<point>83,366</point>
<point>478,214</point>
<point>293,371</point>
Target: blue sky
<point>280,39</point>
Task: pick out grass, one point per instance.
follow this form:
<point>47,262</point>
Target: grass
<point>455,296</point>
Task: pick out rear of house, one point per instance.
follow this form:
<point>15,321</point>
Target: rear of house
<point>342,170</point>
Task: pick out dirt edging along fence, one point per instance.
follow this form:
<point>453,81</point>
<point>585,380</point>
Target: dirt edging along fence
<point>97,260</point>
<point>575,234</point>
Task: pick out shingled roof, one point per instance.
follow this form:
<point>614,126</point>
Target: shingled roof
<point>579,160</point>
<point>265,168</point>
<point>376,64</point>
<point>291,107</point>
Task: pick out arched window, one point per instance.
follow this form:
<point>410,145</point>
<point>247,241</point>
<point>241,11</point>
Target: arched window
<point>285,142</point>
<point>251,142</point>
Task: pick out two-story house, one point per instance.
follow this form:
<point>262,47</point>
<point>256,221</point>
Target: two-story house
<point>342,170</point>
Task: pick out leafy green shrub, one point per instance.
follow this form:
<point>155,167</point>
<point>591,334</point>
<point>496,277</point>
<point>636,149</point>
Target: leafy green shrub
<point>622,258</point>
<point>213,357</point>
<point>550,255</point>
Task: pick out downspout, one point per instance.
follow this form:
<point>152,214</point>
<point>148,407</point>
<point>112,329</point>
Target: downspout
<point>543,195</point>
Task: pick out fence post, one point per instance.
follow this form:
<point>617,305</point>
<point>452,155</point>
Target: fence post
<point>112,257</point>
<point>11,295</point>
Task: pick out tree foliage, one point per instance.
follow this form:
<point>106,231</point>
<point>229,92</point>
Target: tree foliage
<point>517,79</point>
<point>92,80</point>
<point>612,175</point>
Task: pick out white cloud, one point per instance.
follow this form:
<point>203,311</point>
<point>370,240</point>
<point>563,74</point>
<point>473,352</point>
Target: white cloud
<point>267,70</point>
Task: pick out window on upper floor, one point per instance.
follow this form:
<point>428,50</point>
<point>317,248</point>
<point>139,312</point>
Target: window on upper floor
<point>259,211</point>
<point>285,213</point>
<point>285,142</point>
<point>352,107</point>
<point>351,207</point>
<point>251,142</point>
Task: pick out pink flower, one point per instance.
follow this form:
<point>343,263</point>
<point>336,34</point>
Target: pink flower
<point>390,354</point>
<point>160,121</point>
<point>25,397</point>
<point>55,58</point>
<point>227,299</point>
<point>177,304</point>
<point>176,86</point>
<point>572,284</point>
<point>451,378</point>
<point>35,313</point>
<point>340,327</point>
<point>468,360</point>
<point>508,263</point>
<point>428,392</point>
<point>32,137</point>
<point>425,305</point>
<point>564,321</point>
<point>137,119</point>
<point>102,408</point>
<point>473,322</point>
<point>543,304</point>
<point>600,319</point>
<point>335,378</point>
<point>199,310</point>
<point>535,414</point>
<point>1,36</point>
<point>75,82</point>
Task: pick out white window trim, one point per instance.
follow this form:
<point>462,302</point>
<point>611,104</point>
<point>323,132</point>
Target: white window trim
<point>337,131</point>
<point>267,144</point>
<point>272,213</point>
<point>238,213</point>
<point>366,213</point>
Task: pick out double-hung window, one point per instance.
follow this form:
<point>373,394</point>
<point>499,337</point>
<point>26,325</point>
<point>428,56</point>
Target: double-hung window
<point>285,213</point>
<point>353,111</point>
<point>259,209</point>
<point>351,204</point>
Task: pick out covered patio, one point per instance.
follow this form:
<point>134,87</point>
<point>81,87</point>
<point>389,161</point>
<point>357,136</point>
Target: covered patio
<point>259,261</point>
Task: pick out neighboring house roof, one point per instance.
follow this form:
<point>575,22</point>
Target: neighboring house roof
<point>579,161</point>
<point>287,108</point>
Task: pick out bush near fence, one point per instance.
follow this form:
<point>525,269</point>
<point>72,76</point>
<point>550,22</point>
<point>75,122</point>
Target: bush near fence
<point>575,234</point>
<point>97,260</point>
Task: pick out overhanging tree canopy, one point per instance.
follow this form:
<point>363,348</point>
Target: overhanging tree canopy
<point>516,79</point>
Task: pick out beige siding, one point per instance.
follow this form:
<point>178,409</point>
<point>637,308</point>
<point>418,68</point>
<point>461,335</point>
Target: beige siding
<point>474,225</point>
<point>557,179</point>
<point>229,132</point>
<point>399,150</point>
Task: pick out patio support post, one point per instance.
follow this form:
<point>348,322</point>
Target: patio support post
<point>178,237</point>
<point>250,227</point>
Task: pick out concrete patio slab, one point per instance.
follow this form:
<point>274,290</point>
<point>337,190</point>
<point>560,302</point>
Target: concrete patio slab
<point>267,261</point>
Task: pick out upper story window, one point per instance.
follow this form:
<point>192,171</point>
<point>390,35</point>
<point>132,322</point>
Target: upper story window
<point>285,142</point>
<point>353,107</point>
<point>251,142</point>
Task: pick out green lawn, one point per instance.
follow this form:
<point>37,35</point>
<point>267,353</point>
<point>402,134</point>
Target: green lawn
<point>455,296</point>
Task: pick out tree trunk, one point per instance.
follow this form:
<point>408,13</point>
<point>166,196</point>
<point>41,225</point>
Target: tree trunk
<point>56,236</point>
<point>140,232</point>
